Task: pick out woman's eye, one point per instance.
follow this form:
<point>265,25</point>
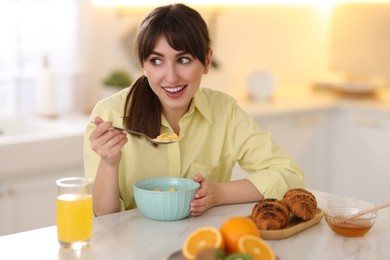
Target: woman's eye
<point>184,60</point>
<point>155,61</point>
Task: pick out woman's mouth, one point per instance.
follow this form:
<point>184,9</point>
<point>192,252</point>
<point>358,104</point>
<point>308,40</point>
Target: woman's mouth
<point>174,91</point>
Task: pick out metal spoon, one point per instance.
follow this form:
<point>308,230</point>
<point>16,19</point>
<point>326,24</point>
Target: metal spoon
<point>153,140</point>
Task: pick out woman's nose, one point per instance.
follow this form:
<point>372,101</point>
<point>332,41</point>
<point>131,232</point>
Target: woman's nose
<point>172,75</point>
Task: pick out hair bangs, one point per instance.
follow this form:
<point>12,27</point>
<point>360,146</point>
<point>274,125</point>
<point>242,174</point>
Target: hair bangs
<point>185,40</point>
<point>181,32</point>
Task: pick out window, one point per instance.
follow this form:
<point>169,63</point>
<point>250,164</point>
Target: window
<point>31,30</point>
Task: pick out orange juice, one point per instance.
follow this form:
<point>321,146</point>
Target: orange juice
<point>74,217</point>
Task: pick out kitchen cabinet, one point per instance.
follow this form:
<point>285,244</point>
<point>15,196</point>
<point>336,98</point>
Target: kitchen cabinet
<point>360,154</point>
<point>34,153</point>
<point>343,148</point>
<point>305,136</point>
<point>342,143</point>
<point>29,202</point>
<point>6,212</point>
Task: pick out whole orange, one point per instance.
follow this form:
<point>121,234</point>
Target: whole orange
<point>234,228</point>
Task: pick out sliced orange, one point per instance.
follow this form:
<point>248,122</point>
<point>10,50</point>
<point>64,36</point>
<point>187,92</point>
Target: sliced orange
<point>255,247</point>
<point>200,239</point>
<point>234,228</point>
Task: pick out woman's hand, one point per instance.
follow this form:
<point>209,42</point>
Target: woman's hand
<point>107,142</point>
<point>213,194</point>
<point>205,197</point>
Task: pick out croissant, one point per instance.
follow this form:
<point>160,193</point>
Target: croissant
<point>270,214</point>
<point>301,203</point>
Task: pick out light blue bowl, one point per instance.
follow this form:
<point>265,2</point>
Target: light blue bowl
<point>165,205</point>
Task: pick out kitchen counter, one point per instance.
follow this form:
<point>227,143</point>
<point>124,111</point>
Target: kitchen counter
<point>129,235</point>
<point>34,152</point>
<point>298,99</point>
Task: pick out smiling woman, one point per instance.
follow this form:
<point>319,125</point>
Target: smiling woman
<point>174,50</point>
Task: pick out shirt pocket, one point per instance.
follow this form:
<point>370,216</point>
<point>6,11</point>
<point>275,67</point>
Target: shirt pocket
<point>213,173</point>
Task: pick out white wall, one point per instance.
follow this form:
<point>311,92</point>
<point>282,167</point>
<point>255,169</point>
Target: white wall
<point>295,43</point>
<point>289,42</point>
<point>361,38</point>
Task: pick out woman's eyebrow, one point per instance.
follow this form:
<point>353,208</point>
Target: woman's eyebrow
<point>157,53</point>
<point>177,55</point>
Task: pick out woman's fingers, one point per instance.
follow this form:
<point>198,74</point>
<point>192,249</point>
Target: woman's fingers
<point>199,206</point>
<point>204,197</point>
<point>203,186</point>
<point>98,120</point>
<point>198,178</point>
<point>106,141</point>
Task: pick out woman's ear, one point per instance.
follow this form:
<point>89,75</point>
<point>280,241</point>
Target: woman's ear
<point>209,58</point>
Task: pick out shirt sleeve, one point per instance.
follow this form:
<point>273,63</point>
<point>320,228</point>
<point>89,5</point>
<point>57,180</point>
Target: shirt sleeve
<point>271,170</point>
<point>92,159</point>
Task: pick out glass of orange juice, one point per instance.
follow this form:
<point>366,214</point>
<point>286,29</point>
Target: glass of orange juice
<point>74,212</point>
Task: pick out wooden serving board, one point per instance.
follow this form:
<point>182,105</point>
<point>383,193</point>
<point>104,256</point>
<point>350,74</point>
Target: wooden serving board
<point>294,226</point>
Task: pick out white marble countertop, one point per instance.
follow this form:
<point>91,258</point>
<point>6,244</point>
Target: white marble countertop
<point>129,235</point>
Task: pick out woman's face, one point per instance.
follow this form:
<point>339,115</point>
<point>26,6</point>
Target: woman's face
<point>174,76</point>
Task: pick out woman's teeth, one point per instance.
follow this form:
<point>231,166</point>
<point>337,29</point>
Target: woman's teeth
<point>174,90</point>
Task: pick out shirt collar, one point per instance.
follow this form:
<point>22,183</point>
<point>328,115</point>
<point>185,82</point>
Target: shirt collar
<point>201,103</point>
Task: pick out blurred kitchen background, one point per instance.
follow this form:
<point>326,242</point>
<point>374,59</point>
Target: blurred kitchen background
<point>84,41</point>
<point>314,73</point>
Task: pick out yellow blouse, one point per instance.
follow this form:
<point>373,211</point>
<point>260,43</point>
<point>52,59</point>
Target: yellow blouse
<point>217,134</point>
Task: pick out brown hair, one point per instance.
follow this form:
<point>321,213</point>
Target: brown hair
<point>184,30</point>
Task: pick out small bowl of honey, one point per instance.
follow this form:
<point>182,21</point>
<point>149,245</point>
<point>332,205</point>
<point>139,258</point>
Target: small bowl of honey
<point>338,221</point>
